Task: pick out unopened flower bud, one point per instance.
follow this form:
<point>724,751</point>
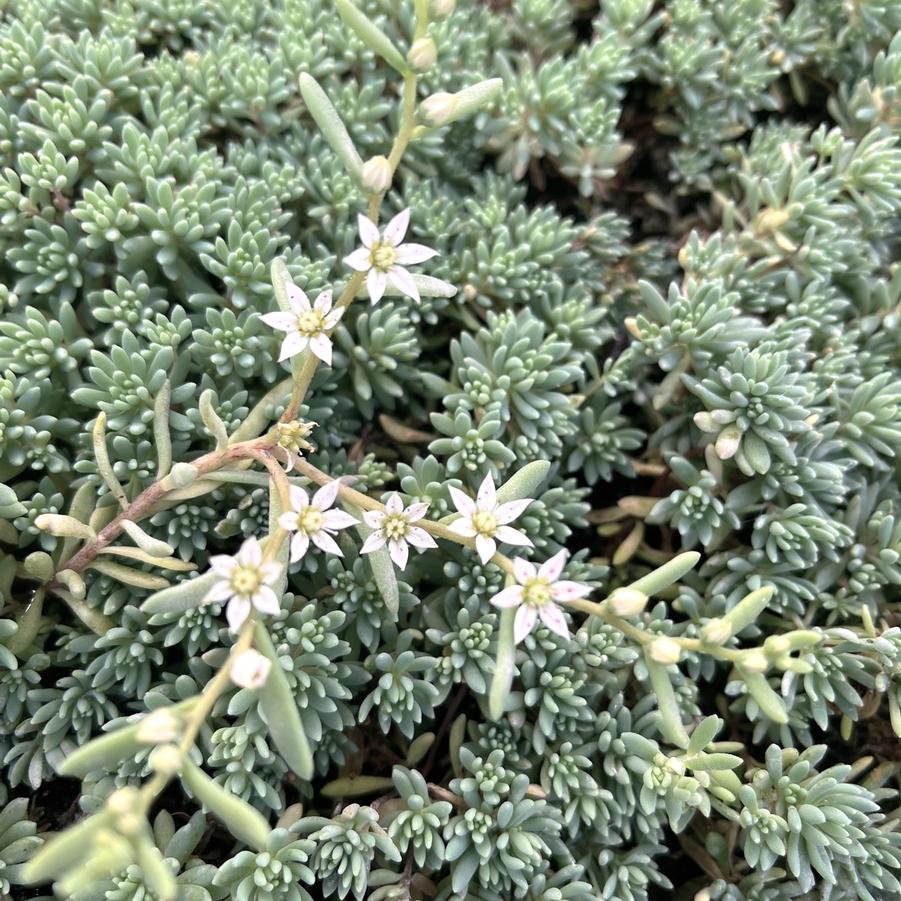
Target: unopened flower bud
<point>159,727</point>
<point>377,175</point>
<point>438,109</point>
<point>166,759</point>
<point>183,474</point>
<point>250,669</point>
<point>122,801</point>
<point>755,661</point>
<point>717,631</point>
<point>665,651</point>
<point>422,55</point>
<point>627,601</point>
<point>441,9</point>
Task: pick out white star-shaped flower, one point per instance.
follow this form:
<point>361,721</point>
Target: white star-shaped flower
<point>306,325</point>
<point>313,520</point>
<point>383,258</point>
<point>244,581</point>
<point>486,520</point>
<point>537,593</point>
<point>394,526</point>
<point>250,669</point>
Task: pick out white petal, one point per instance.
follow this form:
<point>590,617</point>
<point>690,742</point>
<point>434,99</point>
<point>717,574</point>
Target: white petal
<point>486,547</point>
<point>359,260</point>
<point>221,591</point>
<point>284,322</point>
<point>506,513</point>
<point>411,254</point>
<point>399,552</point>
<point>288,521</point>
<point>523,570</point>
<point>373,518</point>
<point>486,499</point>
<point>251,552</point>
<point>299,545</point>
<point>462,501</point>
<point>415,512</point>
<point>325,496</point>
<point>463,526</point>
<point>293,344</point>
<point>338,519</point>
<point>523,622</point>
<point>403,281</point>
<point>326,543</point>
<point>419,537</point>
<point>298,300</point>
<point>394,504</point>
<point>299,498</point>
<point>324,301</point>
<point>508,535</point>
<point>509,597</point>
<point>322,348</point>
<point>332,319</point>
<point>269,572</point>
<point>565,590</point>
<point>266,600</point>
<point>373,542</point>
<point>396,229</point>
<point>369,232</point>
<point>375,285</point>
<point>552,567</point>
<point>236,612</point>
<point>223,564</point>
<point>552,616</point>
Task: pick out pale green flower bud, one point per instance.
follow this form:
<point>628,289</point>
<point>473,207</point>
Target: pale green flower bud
<point>422,55</point>
<point>627,601</point>
<point>665,651</point>
<point>166,759</point>
<point>159,727</point>
<point>441,9</point>
<point>438,109</point>
<point>377,175</point>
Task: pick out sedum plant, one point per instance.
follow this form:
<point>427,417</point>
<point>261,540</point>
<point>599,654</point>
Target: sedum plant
<point>450,450</point>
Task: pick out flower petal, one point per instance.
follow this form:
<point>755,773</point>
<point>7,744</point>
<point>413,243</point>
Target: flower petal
<point>463,526</point>
<point>462,501</point>
<point>565,590</point>
<point>375,285</point>
<point>396,229</point>
<point>297,298</point>
<point>221,591</point>
<point>552,567</point>
<point>511,596</point>
<point>251,553</point>
<point>293,344</point>
<point>554,618</point>
<point>321,346</point>
<point>399,552</point>
<point>284,322</point>
<point>485,547</point>
<point>325,496</point>
<point>299,545</point>
<point>326,543</point>
<point>486,499</point>
<point>222,564</point>
<point>523,570</point>
<point>369,231</point>
<point>403,281</point>
<point>416,511</point>
<point>506,513</point>
<point>288,521</point>
<point>419,537</point>
<point>337,519</point>
<point>523,622</point>
<point>411,254</point>
<point>373,542</point>
<point>236,612</point>
<point>333,318</point>
<point>266,601</point>
<point>359,260</point>
<point>323,301</point>
<point>394,503</point>
<point>373,518</point>
<point>508,535</point>
<point>299,498</point>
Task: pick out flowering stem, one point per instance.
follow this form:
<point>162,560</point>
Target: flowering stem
<point>370,503</point>
<point>401,141</point>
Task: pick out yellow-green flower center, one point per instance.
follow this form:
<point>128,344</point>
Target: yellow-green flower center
<point>309,520</point>
<point>383,255</point>
<point>310,323</point>
<point>484,522</point>
<point>245,581</point>
<point>394,526</point>
<point>536,592</point>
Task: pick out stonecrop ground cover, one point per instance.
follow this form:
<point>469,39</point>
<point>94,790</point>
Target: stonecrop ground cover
<point>450,450</point>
